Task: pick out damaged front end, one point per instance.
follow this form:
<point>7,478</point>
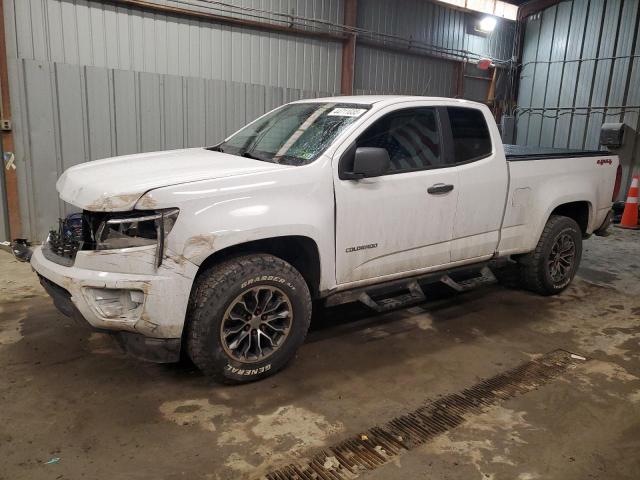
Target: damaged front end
<point>109,231</point>
<point>116,272</point>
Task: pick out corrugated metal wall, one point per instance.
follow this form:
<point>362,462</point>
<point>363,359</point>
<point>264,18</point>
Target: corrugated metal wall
<point>90,80</point>
<point>88,32</point>
<point>436,25</point>
<point>570,84</point>
<point>383,71</point>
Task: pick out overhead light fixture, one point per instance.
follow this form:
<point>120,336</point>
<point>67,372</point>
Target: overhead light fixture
<point>497,8</point>
<point>487,24</point>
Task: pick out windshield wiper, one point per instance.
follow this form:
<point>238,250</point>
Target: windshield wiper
<point>254,156</point>
<point>217,148</point>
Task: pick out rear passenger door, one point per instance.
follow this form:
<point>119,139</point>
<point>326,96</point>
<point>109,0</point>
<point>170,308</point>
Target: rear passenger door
<point>401,221</point>
<point>483,179</point>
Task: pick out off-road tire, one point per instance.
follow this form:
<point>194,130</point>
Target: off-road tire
<point>215,290</point>
<point>535,274</point>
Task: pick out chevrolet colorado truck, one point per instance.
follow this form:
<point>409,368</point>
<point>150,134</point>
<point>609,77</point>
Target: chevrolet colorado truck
<point>218,252</point>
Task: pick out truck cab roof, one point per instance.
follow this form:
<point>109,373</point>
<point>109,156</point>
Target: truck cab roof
<point>384,100</point>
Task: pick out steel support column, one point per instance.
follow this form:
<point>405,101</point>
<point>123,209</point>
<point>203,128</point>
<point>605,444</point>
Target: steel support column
<point>10,176</point>
<point>349,48</point>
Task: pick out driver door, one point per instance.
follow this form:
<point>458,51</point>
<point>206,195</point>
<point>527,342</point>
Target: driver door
<point>401,221</point>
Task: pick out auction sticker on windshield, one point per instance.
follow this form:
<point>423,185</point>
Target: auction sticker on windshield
<point>346,112</point>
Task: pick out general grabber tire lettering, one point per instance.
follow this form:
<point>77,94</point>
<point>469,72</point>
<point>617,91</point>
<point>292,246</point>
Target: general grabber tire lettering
<point>247,317</point>
<point>549,269</point>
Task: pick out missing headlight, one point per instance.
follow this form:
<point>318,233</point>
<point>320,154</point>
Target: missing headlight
<point>136,229</point>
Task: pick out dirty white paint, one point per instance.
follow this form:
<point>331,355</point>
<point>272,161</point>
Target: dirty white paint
<point>199,412</point>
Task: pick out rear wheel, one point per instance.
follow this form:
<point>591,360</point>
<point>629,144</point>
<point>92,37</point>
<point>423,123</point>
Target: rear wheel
<point>247,318</point>
<point>550,268</point>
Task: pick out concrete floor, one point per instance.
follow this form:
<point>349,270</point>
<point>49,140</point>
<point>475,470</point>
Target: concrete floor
<point>68,394</point>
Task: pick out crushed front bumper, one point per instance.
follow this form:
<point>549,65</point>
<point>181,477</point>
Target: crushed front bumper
<point>125,293</point>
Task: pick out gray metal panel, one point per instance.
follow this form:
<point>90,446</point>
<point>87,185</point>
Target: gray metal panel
<point>216,118</point>
<point>541,73</point>
<point>573,70</point>
<point>587,72</point>
<point>624,48</point>
<point>435,24</point>
<point>126,114</point>
<point>555,72</point>
<point>236,106</point>
<point>150,119</point>
<point>476,89</point>
<point>103,35</point>
<point>71,108</point>
<point>527,74</point>
<point>173,113</point>
<point>382,71</point>
<point>603,71</point>
<point>195,113</point>
<point>41,158</point>
<point>99,112</point>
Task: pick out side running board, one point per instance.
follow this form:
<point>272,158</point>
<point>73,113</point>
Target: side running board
<point>413,291</point>
<point>415,295</point>
<point>486,276</point>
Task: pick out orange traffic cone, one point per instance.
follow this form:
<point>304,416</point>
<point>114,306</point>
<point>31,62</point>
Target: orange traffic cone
<point>630,214</point>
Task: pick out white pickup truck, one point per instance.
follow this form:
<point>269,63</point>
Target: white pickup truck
<point>220,251</point>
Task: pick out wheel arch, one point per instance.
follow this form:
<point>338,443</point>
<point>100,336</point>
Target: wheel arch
<point>580,211</point>
<point>300,251</point>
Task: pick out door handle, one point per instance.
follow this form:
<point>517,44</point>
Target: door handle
<point>439,188</point>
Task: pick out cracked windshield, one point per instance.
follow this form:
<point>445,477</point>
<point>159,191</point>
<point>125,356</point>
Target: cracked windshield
<point>295,134</point>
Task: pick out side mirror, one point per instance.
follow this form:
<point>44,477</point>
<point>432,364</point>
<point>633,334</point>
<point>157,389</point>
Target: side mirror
<point>368,162</point>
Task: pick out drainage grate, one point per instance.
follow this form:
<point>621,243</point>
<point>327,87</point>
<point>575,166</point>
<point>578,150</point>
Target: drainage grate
<point>380,444</point>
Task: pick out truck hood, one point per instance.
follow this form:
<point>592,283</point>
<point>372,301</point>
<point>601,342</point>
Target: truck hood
<point>116,184</point>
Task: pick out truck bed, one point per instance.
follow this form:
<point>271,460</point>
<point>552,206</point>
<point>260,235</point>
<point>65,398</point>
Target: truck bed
<point>516,153</point>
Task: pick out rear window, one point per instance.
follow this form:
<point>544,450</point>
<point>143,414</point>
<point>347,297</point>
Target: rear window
<point>471,139</point>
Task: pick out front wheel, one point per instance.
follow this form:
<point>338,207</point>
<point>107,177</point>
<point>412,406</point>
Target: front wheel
<point>550,268</point>
<point>247,317</point>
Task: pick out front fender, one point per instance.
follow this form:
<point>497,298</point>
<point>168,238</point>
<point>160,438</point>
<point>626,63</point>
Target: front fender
<point>220,213</point>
